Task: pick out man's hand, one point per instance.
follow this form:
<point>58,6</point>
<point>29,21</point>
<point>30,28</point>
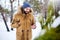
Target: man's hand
<point>33,26</point>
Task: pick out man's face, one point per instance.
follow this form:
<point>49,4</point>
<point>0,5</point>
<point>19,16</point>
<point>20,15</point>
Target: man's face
<point>27,10</point>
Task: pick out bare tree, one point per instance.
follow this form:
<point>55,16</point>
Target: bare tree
<point>2,13</point>
<point>11,1</point>
<point>18,2</point>
<point>44,6</point>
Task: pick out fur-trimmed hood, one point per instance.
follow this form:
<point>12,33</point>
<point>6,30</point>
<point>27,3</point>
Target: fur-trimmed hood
<point>20,11</point>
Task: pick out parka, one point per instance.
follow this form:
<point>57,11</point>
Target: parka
<point>23,22</point>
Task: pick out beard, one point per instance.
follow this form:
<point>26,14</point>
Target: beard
<point>25,11</point>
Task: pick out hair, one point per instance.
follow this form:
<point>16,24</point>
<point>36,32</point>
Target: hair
<point>22,9</point>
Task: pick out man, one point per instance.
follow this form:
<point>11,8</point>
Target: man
<point>23,21</point>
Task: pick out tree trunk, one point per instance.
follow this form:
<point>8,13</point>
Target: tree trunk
<point>5,22</point>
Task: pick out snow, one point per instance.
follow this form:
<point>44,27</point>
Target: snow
<point>4,35</point>
<point>56,22</point>
<point>36,32</point>
<point>7,35</point>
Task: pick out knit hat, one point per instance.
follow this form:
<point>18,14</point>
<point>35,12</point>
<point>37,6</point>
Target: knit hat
<point>25,5</point>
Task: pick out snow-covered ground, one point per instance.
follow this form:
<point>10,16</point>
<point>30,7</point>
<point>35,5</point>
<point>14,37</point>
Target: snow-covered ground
<point>56,22</point>
<point>4,35</point>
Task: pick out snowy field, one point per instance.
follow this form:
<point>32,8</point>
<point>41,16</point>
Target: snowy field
<point>4,35</point>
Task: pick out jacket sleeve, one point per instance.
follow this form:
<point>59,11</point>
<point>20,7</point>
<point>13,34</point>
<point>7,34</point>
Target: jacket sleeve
<point>33,21</point>
<point>14,23</point>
